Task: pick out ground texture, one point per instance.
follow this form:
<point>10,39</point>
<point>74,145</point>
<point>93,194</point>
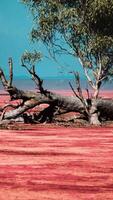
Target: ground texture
<point>56,163</point>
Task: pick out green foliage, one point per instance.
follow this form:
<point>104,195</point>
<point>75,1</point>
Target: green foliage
<point>30,58</point>
<point>86,26</point>
<point>99,15</point>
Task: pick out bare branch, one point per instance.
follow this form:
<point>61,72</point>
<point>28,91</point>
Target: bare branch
<point>3,79</point>
<point>89,79</point>
<point>88,94</point>
<point>10,72</point>
<point>98,77</point>
<point>77,78</point>
<point>79,90</point>
<point>38,81</point>
<point>74,91</point>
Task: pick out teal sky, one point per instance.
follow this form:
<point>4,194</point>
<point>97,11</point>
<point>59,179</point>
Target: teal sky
<point>15,26</point>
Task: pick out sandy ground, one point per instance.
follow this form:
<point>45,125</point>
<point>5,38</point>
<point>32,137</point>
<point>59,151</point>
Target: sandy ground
<point>56,163</point>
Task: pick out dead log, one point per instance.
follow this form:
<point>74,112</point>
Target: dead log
<point>41,96</point>
<point>67,103</point>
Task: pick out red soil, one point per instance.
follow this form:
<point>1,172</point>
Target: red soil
<point>56,163</point>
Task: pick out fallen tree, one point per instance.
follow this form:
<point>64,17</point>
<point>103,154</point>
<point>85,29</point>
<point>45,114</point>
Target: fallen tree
<point>57,104</point>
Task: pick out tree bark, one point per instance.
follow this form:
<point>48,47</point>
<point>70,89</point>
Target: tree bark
<point>34,99</point>
<point>94,113</point>
<point>67,103</point>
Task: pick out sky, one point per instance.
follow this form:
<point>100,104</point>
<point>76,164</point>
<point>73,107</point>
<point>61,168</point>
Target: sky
<point>15,26</point>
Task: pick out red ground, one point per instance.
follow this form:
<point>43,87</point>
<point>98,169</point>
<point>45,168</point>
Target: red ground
<point>56,163</point>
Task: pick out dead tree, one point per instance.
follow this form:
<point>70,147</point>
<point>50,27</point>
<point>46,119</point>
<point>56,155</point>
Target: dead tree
<point>31,99</point>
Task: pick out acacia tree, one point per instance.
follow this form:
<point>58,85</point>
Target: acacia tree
<point>86,28</point>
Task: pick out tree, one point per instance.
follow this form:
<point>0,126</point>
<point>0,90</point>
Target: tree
<point>86,27</point>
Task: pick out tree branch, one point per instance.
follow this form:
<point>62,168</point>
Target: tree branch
<point>38,81</point>
<point>3,79</point>
<point>10,72</point>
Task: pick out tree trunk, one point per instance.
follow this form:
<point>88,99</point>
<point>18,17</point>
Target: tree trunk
<point>67,103</point>
<point>94,113</point>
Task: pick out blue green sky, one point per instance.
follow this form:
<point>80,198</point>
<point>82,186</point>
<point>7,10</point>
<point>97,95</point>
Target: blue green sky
<point>15,26</point>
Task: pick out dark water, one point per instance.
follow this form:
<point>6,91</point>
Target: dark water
<point>53,84</point>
